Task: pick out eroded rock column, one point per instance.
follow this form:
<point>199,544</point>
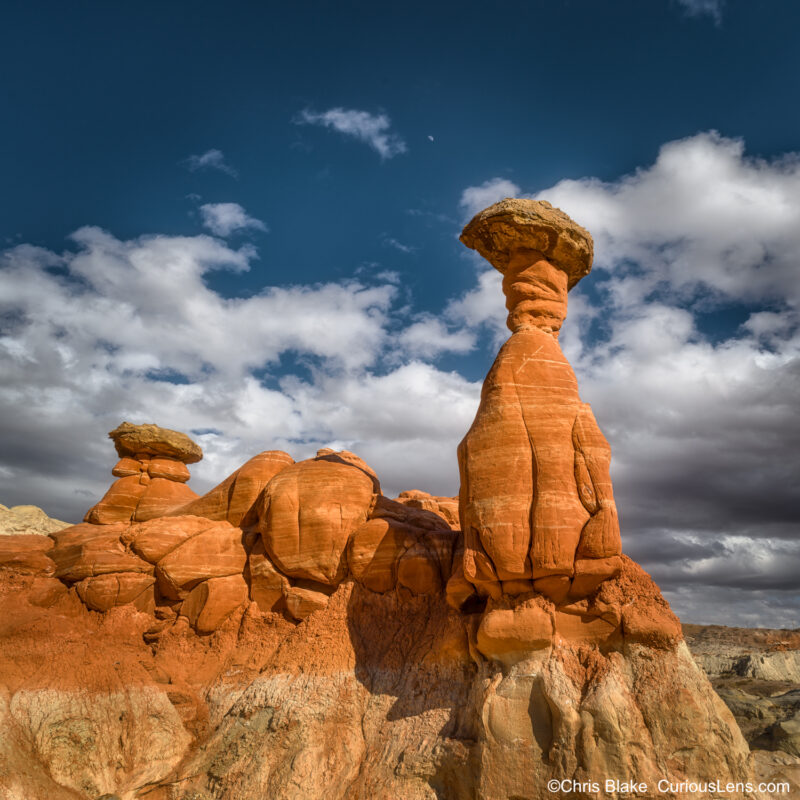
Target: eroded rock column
<point>536,502</point>
<point>151,474</point>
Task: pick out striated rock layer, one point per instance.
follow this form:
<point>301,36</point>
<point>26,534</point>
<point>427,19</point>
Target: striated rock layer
<point>294,633</point>
<point>536,502</point>
<point>380,695</point>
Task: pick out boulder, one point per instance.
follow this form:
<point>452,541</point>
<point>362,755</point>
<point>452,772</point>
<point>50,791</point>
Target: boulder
<point>267,586</point>
<point>104,592</point>
<point>459,590</point>
<point>128,467</point>
<point>156,538</point>
<point>591,572</point>
<point>232,499</point>
<point>408,514</point>
<point>444,507</point>
<point>307,513</point>
<point>119,503</point>
<point>215,552</point>
<point>441,545</point>
<point>346,457</point>
<point>45,592</point>
<point>161,496</point>
<point>84,551</point>
<point>211,602</point>
<point>418,571</point>
<point>27,553</point>
<point>498,233</point>
<point>302,602</point>
<point>375,550</point>
<point>149,439</point>
<point>507,634</point>
<point>169,468</point>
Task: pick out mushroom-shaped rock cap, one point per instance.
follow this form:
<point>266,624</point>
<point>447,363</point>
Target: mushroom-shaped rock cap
<point>131,439</point>
<point>513,224</point>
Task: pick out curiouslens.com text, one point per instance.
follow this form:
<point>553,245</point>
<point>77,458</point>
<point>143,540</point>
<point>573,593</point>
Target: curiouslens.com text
<point>663,786</point>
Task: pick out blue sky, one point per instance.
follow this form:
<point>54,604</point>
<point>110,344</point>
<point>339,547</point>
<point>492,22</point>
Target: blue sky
<point>242,221</point>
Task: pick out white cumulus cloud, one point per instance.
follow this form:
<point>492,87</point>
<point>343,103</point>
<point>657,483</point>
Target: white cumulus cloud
<point>685,339</point>
<point>117,329</point>
<point>223,219</point>
<point>372,129</point>
<point>429,336</point>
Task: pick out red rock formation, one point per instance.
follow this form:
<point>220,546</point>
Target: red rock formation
<point>27,553</point>
<point>375,550</point>
<point>209,604</point>
<point>86,550</point>
<point>445,507</point>
<point>268,586</point>
<point>215,552</point>
<point>296,634</point>
<point>536,501</point>
<point>151,474</point>
<point>234,498</point>
<point>151,440</point>
<point>308,511</point>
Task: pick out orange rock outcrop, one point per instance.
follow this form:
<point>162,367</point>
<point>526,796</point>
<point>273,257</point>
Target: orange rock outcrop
<point>295,633</point>
<point>151,474</point>
<point>536,504</point>
<point>232,499</point>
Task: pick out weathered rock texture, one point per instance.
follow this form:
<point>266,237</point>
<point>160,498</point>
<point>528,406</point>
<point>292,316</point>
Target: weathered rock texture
<point>536,502</point>
<point>233,499</point>
<point>151,475</point>
<point>149,439</point>
<point>296,634</point>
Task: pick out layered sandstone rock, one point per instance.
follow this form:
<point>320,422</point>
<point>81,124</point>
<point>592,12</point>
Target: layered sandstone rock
<point>133,440</point>
<point>27,553</point>
<point>536,502</point>
<point>155,563</point>
<point>308,511</point>
<point>151,475</point>
<point>234,498</point>
<point>379,695</point>
<point>445,507</point>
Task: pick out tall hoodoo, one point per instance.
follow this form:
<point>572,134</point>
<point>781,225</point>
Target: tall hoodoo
<point>536,502</point>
